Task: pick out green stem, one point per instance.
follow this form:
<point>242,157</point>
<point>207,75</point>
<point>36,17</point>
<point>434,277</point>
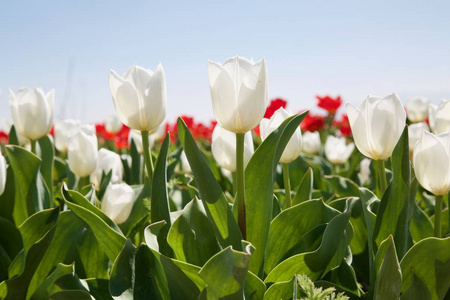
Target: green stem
<point>147,155</point>
<point>287,185</point>
<point>240,182</point>
<point>381,174</point>
<point>33,146</point>
<point>437,216</point>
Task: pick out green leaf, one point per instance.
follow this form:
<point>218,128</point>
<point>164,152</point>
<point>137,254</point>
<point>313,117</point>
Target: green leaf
<point>110,240</point>
<point>47,287</point>
<point>37,233</point>
<point>139,211</point>
<point>259,180</point>
<point>395,207</point>
<point>46,152</point>
<point>138,274</point>
<point>7,199</point>
<point>281,290</point>
<point>254,287</point>
<point>304,191</point>
<point>389,277</point>
<point>421,226</point>
<point>328,256</point>
<point>160,199</point>
<point>29,198</point>
<point>216,205</point>
<point>225,274</point>
<point>192,241</point>
<point>425,267</point>
<point>10,245</point>
<point>71,295</point>
<point>341,186</point>
<point>12,138</point>
<point>294,222</point>
<point>136,165</point>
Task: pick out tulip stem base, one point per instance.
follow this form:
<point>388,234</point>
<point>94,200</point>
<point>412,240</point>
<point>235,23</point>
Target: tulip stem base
<point>240,182</point>
<point>147,155</point>
<point>437,216</point>
<point>287,186</point>
<point>380,170</point>
<point>33,146</point>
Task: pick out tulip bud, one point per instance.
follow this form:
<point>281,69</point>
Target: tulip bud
<point>118,201</point>
<point>415,132</point>
<point>223,147</point>
<point>63,130</point>
<point>2,174</point>
<point>32,111</point>
<point>311,142</point>
<point>238,93</point>
<point>417,109</point>
<point>364,170</point>
<point>431,161</point>
<point>140,97</point>
<point>82,151</point>
<point>107,161</point>
<point>136,137</point>
<point>113,124</point>
<point>336,151</point>
<point>294,146</point>
<point>377,125</point>
<point>439,117</point>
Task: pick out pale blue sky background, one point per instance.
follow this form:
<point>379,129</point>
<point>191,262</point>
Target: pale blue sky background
<point>351,48</point>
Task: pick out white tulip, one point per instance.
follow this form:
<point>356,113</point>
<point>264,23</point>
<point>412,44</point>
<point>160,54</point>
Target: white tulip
<point>415,132</point>
<point>82,151</point>
<point>223,147</point>
<point>107,161</point>
<point>63,130</point>
<point>113,124</point>
<point>431,161</point>
<point>2,174</point>
<point>118,201</point>
<point>336,150</point>
<point>377,125</point>
<point>140,97</point>
<point>417,109</point>
<point>439,117</point>
<point>364,170</point>
<point>238,93</point>
<point>136,137</point>
<point>294,146</point>
<point>32,112</point>
<point>311,142</point>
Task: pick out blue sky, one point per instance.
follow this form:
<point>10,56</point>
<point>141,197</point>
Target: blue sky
<point>350,48</point>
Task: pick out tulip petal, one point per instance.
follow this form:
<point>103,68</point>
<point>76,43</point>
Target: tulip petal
<point>155,100</point>
<point>125,101</point>
<point>432,163</point>
<point>359,130</point>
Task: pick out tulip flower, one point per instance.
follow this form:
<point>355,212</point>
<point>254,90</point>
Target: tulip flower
<point>113,124</point>
<point>63,130</point>
<point>32,112</point>
<point>238,92</point>
<point>311,142</point>
<point>82,151</point>
<point>139,97</point>
<point>417,109</point>
<point>118,201</point>
<point>415,132</point>
<point>377,125</point>
<point>431,160</point>
<point>439,117</point>
<point>2,174</point>
<point>336,149</point>
<point>294,146</point>
<point>239,97</point>
<point>223,147</point>
<point>107,161</point>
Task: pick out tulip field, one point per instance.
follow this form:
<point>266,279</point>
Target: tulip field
<point>340,202</point>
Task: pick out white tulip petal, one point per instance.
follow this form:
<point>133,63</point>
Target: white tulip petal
<point>2,174</point>
<point>224,102</point>
<point>128,106</point>
<point>155,99</point>
<point>118,202</point>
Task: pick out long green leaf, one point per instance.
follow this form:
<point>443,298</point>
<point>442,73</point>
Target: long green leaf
<point>394,211</point>
<point>46,153</point>
<point>304,190</point>
<point>314,264</point>
<point>216,205</point>
<point>259,179</point>
<point>389,277</point>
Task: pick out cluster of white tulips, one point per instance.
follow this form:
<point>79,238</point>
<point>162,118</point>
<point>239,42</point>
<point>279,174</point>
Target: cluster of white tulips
<point>239,99</point>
